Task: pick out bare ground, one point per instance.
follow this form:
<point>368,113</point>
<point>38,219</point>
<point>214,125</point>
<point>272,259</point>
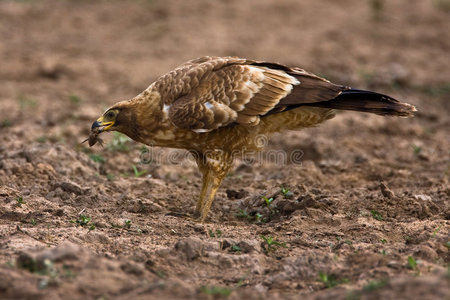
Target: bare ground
<point>363,215</point>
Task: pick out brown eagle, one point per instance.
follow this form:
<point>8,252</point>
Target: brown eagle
<point>215,107</point>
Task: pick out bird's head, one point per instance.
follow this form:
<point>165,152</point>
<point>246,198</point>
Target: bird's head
<point>135,118</point>
<point>108,121</point>
<point>119,117</point>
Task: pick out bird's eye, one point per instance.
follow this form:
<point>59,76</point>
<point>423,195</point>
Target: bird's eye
<point>110,114</point>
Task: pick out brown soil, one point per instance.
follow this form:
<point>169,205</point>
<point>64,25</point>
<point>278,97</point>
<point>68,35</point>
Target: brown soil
<point>367,212</point>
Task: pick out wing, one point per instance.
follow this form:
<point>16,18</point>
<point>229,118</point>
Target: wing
<point>210,92</point>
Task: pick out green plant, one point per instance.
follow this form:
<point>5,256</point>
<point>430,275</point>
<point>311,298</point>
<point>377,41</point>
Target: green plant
<point>259,218</point>
<point>161,274</point>
<point>375,284</point>
<point>20,201</point>
<point>97,158</point>
<point>41,139</point>
<point>376,215</point>
<point>270,244</point>
<point>287,194</point>
<point>33,222</point>
<point>417,149</point>
<point>127,224</point>
<point>217,233</point>
<point>412,263</point>
<point>437,230</point>
<point>216,291</point>
<point>330,280</point>
<point>138,173</point>
<point>268,201</point>
<point>82,220</point>
<point>115,225</point>
<point>235,248</point>
<point>5,123</point>
<point>241,213</point>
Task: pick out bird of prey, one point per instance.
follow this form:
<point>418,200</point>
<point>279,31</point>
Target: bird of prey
<point>215,107</point>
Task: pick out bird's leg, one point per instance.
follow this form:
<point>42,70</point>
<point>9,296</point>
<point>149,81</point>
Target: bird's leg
<point>202,166</point>
<point>204,193</point>
<point>214,186</point>
<point>214,166</point>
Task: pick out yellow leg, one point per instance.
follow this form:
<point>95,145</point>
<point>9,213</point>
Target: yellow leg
<point>207,205</point>
<point>203,193</point>
<point>213,171</point>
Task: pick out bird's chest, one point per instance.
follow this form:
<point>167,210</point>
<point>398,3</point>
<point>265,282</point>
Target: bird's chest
<point>164,137</point>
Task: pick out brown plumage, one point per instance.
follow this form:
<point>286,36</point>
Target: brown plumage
<point>217,107</point>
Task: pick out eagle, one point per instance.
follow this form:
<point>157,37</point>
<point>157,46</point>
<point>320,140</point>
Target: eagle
<point>217,107</point>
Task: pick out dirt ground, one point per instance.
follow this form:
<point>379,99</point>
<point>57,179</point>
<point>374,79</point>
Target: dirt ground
<point>363,215</point>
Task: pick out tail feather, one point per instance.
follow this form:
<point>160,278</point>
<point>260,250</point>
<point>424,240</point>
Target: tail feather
<point>366,101</point>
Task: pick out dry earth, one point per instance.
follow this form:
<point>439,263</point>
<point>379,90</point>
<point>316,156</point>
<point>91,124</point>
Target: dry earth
<point>363,215</point>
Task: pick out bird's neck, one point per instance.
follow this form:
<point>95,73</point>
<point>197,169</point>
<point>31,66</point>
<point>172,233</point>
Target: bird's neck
<point>150,124</point>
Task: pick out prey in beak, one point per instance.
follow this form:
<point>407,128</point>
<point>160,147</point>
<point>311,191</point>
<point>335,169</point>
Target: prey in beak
<point>104,123</point>
<point>94,137</point>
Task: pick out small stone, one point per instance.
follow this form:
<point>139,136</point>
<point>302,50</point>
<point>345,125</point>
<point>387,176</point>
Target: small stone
<point>226,244</point>
<point>132,268</point>
<point>69,187</point>
<point>35,260</point>
<point>394,264</point>
<point>423,197</point>
<point>426,253</point>
<point>191,248</point>
<point>248,246</point>
<point>386,191</point>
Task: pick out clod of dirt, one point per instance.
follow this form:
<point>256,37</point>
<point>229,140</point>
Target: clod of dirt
<point>386,191</point>
<point>132,268</point>
<point>35,260</point>
<point>69,187</point>
<point>233,194</point>
<point>248,246</point>
<point>426,253</point>
<point>190,248</point>
<point>304,267</point>
<point>287,207</point>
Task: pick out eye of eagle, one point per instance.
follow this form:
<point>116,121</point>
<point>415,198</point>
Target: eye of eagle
<point>110,114</point>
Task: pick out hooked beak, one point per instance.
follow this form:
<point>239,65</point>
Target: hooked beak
<point>101,125</point>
